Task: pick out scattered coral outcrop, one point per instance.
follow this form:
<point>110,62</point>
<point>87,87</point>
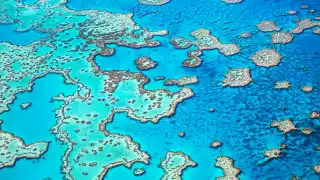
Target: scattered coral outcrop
<point>25,105</point>
<point>154,2</point>
<point>232,1</point>
<point>193,59</point>
<point>139,171</point>
<point>281,37</point>
<point>145,63</point>
<point>315,115</point>
<point>237,77</point>
<point>272,153</point>
<point>303,25</point>
<point>284,125</point>
<point>185,80</point>
<point>268,26</point>
<point>180,42</point>
<point>266,58</point>
<point>215,144</point>
<point>283,85</point>
<point>205,41</point>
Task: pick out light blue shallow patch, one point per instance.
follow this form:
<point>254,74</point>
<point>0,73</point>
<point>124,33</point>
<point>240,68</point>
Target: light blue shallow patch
<point>32,125</point>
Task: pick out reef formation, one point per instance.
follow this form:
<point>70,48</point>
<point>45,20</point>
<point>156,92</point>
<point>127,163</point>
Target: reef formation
<point>74,39</point>
<point>228,168</point>
<point>13,148</point>
<point>174,164</point>
<point>92,150</point>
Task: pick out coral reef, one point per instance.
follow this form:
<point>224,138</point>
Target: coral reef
<point>226,164</point>
<point>292,12</point>
<point>180,42</point>
<point>266,58</point>
<point>193,59</point>
<point>246,35</point>
<point>283,85</point>
<point>307,88</point>
<point>174,164</point>
<point>92,150</point>
<point>284,125</point>
<point>306,131</point>
<point>159,78</point>
<point>204,41</point>
<point>13,148</point>
<point>25,105</point>
<point>237,77</point>
<point>145,63</point>
<point>316,31</point>
<point>315,115</point>
<point>181,134</point>
<point>215,144</point>
<point>267,26</point>
<point>181,81</point>
<point>232,1</point>
<point>316,168</point>
<point>281,38</point>
<point>154,2</point>
<point>303,25</point>
<point>272,153</point>
<point>139,171</point>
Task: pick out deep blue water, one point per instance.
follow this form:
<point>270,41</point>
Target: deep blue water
<point>9,34</point>
<point>242,115</point>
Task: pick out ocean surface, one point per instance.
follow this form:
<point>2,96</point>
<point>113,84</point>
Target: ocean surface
<point>242,115</point>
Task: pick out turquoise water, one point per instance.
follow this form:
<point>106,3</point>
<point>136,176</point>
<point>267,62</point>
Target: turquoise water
<point>33,124</point>
<point>242,115</point>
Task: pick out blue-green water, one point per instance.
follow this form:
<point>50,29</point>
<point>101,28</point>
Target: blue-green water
<point>33,125</point>
<point>242,115</point>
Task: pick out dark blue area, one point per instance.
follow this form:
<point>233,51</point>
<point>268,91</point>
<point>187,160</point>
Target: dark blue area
<point>242,115</point>
<point>8,33</point>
